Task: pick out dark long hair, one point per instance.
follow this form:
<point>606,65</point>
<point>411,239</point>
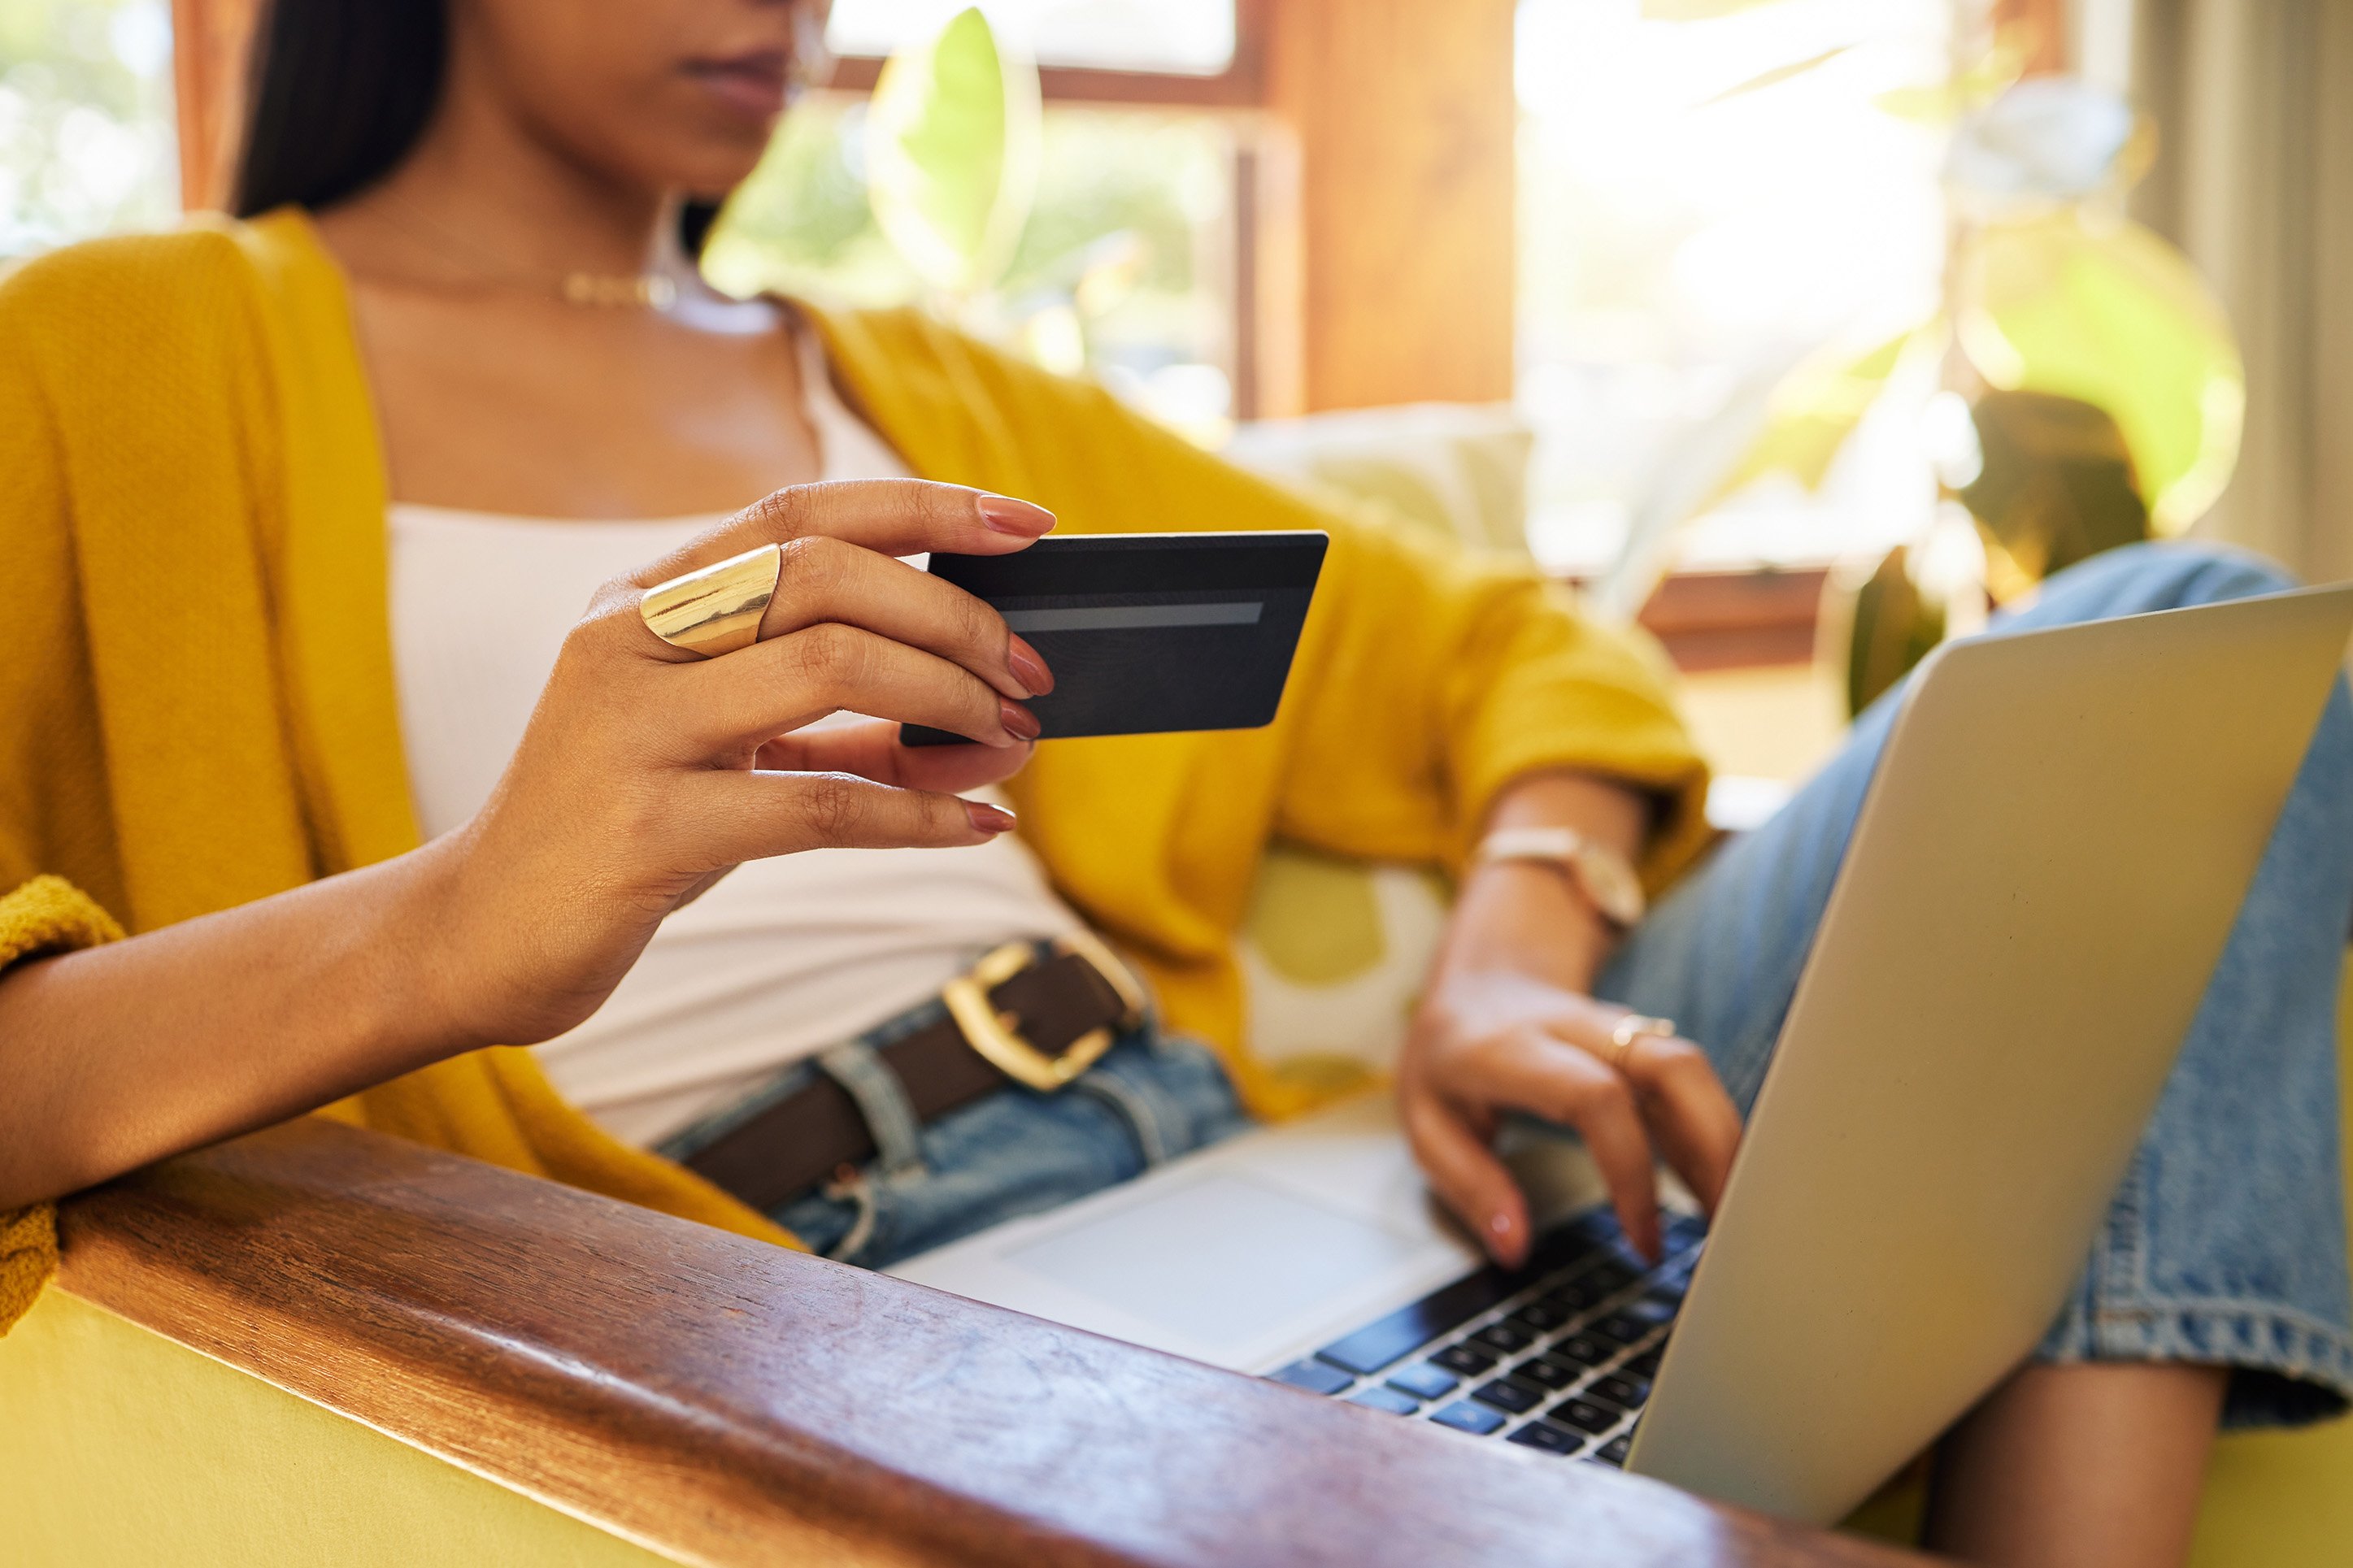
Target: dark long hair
<point>339,90</point>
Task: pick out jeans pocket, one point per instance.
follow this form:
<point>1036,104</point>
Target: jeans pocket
<point>1018,1152</point>
<point>851,1218</point>
<point>1172,1093</point>
<point>1193,1081</point>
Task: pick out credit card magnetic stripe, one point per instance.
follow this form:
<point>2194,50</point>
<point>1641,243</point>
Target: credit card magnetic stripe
<point>1136,617</point>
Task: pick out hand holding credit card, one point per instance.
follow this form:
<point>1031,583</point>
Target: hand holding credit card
<point>1149,632</point>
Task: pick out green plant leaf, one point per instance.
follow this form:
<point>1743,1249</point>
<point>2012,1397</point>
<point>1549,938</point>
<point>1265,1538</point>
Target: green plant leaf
<point>1895,628</point>
<point>1816,409</point>
<point>2105,310</point>
<point>952,155</point>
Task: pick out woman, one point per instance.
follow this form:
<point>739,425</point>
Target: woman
<point>301,695</point>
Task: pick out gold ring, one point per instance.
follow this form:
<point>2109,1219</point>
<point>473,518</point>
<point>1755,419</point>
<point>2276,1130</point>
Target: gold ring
<point>1634,1027</point>
<point>715,610</point>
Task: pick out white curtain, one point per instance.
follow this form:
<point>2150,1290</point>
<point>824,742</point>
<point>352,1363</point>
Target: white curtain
<point>2253,101</point>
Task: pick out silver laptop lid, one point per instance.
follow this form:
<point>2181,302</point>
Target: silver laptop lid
<point>2052,855</point>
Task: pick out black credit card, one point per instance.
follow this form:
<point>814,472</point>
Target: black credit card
<point>1149,632</point>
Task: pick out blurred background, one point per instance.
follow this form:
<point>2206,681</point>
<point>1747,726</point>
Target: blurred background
<point>1805,331</point>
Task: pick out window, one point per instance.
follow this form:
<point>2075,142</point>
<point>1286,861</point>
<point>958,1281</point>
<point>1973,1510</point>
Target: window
<point>86,141</point>
<point>1138,251</point>
<point>1124,268</point>
<point>1184,38</point>
<point>1704,205</point>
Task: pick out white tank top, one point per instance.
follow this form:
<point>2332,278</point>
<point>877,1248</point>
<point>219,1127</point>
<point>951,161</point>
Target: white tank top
<point>783,957</point>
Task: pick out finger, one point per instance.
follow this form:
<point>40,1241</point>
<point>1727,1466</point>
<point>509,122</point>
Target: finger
<point>1469,1179</point>
<point>755,694</point>
<point>822,579</point>
<point>871,750</point>
<point>894,517</point>
<point>1531,1069</point>
<point>1691,1115</point>
<point>753,815</point>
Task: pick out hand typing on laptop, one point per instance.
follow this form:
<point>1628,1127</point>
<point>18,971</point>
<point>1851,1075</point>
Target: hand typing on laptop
<point>1508,1025</point>
<point>1973,949</point>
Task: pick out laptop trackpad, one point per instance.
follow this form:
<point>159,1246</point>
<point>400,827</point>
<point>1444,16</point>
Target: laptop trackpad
<point>1219,1262</point>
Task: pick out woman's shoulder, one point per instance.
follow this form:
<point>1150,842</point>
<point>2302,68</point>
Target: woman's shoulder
<point>124,295</point>
<point>130,333</point>
<point>907,343</point>
<point>134,287</point>
<point>935,389</point>
<point>122,267</point>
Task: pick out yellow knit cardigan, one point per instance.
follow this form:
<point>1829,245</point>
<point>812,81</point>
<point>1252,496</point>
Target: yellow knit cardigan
<point>197,707</point>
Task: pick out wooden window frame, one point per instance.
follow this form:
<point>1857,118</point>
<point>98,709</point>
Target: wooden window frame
<point>1242,85</point>
<point>1261,178</point>
<point>1376,215</point>
<point>210,42</point>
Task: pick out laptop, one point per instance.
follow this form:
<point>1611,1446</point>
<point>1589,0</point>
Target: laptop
<point>2046,867</point>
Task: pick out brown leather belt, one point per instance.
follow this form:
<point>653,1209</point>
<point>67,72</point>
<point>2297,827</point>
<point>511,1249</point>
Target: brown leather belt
<point>1015,1018</point>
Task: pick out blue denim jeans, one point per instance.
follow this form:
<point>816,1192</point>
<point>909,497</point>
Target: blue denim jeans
<point>1152,1097</point>
<point>2225,1244</point>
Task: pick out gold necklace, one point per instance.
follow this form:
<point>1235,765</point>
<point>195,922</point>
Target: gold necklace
<point>594,291</point>
<point>651,291</point>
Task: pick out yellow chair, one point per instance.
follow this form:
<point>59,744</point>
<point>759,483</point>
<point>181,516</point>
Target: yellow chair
<point>2285,1498</point>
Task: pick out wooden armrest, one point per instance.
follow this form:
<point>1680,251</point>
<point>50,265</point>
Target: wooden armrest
<point>724,1401</point>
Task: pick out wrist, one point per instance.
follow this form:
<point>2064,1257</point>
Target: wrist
<point>1526,919</point>
<point>1603,877</point>
<point>1536,917</point>
<point>445,1004</point>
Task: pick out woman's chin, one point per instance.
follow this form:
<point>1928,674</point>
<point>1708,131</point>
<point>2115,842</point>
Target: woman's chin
<point>707,168</point>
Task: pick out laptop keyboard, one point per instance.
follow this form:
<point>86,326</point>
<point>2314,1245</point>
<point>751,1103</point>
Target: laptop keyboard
<point>1556,1356</point>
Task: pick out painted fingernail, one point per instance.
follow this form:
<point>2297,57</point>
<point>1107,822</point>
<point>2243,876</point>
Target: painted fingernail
<point>987,818</point>
<point>1018,722</point>
<point>1006,515</point>
<point>1028,668</point>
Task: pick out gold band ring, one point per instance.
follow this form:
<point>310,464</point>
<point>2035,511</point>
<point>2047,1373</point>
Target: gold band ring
<point>717,609</point>
<point>1630,1029</point>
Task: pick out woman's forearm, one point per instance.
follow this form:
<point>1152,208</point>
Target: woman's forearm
<point>1530,919</point>
<point>1508,1025</point>
<point>633,789</point>
<point>118,1054</point>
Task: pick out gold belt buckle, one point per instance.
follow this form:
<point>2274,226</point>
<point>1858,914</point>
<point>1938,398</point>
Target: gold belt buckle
<point>997,1036</point>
